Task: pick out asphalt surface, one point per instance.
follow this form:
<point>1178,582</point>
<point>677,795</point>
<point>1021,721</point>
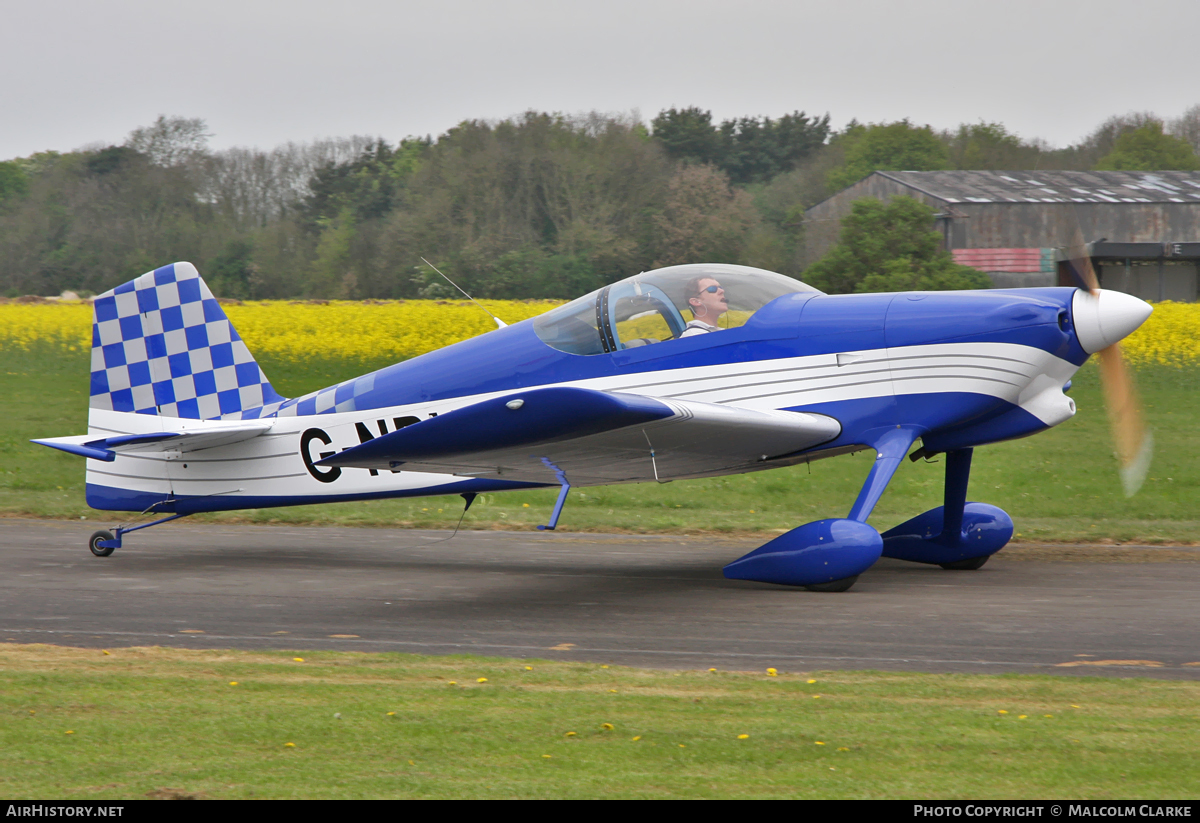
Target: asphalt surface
<point>645,601</point>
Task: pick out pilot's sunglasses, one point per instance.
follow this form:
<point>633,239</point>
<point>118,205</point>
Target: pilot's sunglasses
<point>711,289</point>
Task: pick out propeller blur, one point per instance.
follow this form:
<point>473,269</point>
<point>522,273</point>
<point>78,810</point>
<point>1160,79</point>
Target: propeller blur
<point>1103,319</point>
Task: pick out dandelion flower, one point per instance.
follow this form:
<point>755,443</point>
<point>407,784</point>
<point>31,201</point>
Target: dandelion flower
<point>712,670</point>
<point>69,731</point>
<point>818,743</point>
<point>481,680</point>
<point>816,696</point>
<point>772,673</point>
<point>614,691</point>
<point>811,682</point>
<point>570,734</point>
<point>1073,706</point>
<point>233,682</point>
<point>298,659</point>
<point>636,739</point>
<point>608,727</point>
<point>1048,715</point>
<point>1003,711</point>
<point>605,666</point>
<point>843,748</point>
<point>1022,716</point>
<point>743,737</point>
<point>106,651</point>
<point>453,682</point>
<point>289,745</point>
<point>547,756</point>
<point>411,763</point>
<point>526,506</point>
<point>682,746</point>
<point>529,668</point>
<point>391,714</point>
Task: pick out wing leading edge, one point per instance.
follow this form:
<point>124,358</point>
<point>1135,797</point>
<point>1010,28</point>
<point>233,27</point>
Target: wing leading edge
<point>588,437</point>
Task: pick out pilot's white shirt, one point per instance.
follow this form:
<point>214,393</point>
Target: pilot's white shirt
<point>695,327</point>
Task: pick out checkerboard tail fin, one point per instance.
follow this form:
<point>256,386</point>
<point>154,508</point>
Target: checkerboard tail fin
<point>162,345</point>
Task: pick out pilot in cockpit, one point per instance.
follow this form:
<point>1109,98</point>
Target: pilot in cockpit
<point>707,302</point>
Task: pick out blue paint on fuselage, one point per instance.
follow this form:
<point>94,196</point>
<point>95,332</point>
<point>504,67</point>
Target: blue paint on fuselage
<point>795,325</point>
<point>108,498</point>
<point>1029,317</point>
<point>515,358</point>
<point>1005,423</point>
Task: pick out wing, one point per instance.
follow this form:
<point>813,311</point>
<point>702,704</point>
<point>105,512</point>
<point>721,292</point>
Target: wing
<point>189,436</point>
<point>588,437</point>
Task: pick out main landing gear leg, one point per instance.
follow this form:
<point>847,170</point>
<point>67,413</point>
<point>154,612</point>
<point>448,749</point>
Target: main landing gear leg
<point>958,535</point>
<point>104,543</point>
<point>829,555</point>
<point>958,475</point>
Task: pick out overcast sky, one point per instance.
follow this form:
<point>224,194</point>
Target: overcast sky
<point>263,73</point>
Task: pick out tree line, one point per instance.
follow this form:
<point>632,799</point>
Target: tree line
<point>535,206</point>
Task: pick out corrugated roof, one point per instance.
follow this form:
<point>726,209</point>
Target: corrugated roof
<point>1054,186</point>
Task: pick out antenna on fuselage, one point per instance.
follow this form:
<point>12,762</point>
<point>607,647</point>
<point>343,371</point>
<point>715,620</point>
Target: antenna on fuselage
<point>499,323</point>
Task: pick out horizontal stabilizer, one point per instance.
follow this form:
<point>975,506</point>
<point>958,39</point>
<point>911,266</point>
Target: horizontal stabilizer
<point>191,435</point>
<point>522,419</point>
<point>586,437</point>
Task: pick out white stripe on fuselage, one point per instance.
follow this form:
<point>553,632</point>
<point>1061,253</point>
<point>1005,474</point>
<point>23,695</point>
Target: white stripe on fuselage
<point>270,464</point>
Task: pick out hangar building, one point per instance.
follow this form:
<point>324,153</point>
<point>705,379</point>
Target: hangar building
<point>1142,228</point>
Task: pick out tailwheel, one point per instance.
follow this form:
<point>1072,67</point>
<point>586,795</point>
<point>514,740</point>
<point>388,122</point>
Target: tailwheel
<point>94,544</point>
<point>833,585</point>
<point>969,565</point>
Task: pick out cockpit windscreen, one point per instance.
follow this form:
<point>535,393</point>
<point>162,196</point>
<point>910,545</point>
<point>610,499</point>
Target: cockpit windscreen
<point>662,305</point>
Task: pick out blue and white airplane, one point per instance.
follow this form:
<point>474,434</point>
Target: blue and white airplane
<point>683,372</point>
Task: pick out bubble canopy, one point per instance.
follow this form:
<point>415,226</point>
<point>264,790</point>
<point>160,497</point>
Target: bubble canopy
<point>657,306</point>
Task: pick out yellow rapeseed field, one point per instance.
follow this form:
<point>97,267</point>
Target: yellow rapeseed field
<point>1171,336</point>
<point>338,329</point>
<point>397,330</point>
<point>344,329</point>
<point>68,325</point>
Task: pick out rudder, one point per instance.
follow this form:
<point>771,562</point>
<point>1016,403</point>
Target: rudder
<point>161,344</point>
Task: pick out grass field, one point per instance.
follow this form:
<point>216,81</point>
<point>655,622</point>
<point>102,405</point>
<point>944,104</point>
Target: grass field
<point>80,723</point>
<point>1060,485</point>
